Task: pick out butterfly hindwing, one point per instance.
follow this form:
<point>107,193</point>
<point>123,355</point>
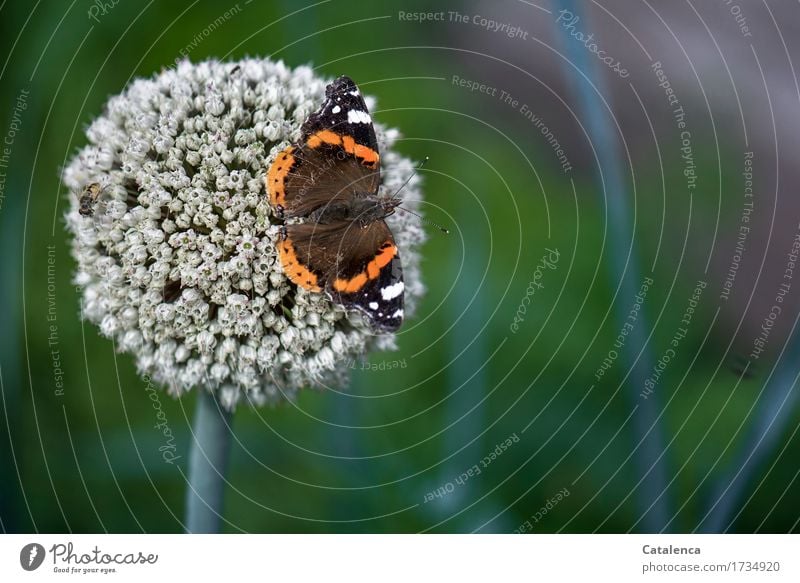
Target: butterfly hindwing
<point>359,267</point>
<point>371,281</point>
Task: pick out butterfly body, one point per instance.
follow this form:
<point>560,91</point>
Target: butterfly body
<point>335,239</point>
<point>362,210</point>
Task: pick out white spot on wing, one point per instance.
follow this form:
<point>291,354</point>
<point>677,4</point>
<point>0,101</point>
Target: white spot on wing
<point>397,314</point>
<point>373,305</point>
<point>356,116</point>
<point>392,291</point>
<point>354,93</point>
<point>336,109</point>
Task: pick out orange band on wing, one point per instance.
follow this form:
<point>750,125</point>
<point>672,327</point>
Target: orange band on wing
<point>324,137</point>
<point>276,177</point>
<point>295,271</point>
<point>369,156</point>
<point>386,253</point>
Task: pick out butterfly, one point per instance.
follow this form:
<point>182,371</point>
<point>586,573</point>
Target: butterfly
<point>335,239</point>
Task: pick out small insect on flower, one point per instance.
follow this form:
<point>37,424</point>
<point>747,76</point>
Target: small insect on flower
<point>88,198</point>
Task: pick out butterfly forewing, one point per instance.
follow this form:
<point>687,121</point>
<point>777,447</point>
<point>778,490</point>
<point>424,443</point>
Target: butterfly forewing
<point>344,112</point>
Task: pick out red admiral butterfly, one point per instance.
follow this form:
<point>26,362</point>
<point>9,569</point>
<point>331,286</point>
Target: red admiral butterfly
<point>330,180</point>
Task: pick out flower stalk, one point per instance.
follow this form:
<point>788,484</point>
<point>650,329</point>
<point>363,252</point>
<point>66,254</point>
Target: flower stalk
<point>208,462</point>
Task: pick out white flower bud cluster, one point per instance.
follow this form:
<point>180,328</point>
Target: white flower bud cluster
<point>179,263</point>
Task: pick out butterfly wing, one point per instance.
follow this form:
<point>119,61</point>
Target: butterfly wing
<point>306,179</point>
<point>370,277</point>
<point>337,158</point>
<point>358,266</point>
<point>344,113</point>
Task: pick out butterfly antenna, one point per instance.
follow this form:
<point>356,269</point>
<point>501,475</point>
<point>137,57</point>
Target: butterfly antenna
<point>421,218</point>
<point>426,221</point>
<point>402,186</point>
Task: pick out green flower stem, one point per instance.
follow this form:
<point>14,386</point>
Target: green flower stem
<point>208,462</point>
<point>651,467</point>
<point>775,408</point>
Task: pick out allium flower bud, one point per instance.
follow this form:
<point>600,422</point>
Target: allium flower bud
<point>179,264</point>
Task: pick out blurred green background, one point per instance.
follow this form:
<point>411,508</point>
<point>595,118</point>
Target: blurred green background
<point>367,460</point>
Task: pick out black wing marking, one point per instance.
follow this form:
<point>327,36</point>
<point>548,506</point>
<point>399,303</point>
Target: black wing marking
<point>344,112</point>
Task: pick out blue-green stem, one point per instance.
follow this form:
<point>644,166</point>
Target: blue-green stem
<point>652,471</point>
<point>208,463</point>
<point>774,412</point>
